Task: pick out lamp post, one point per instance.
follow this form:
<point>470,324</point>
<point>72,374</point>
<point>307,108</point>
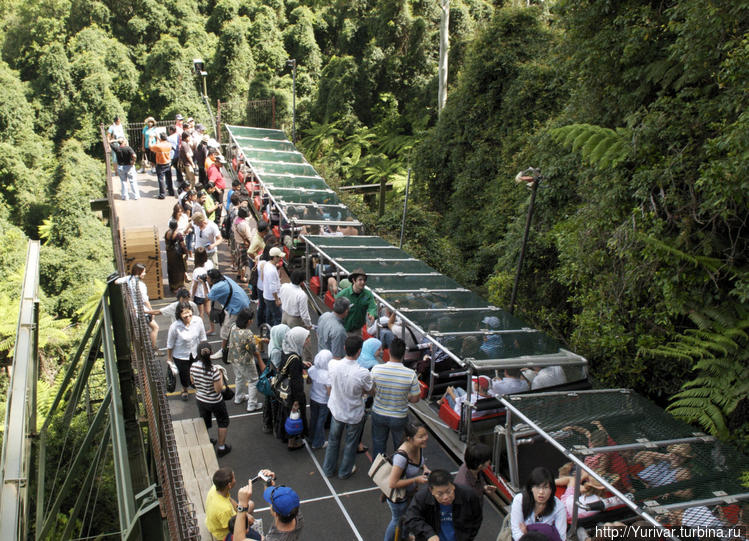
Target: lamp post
<point>292,64</point>
<point>199,66</point>
<point>532,177</point>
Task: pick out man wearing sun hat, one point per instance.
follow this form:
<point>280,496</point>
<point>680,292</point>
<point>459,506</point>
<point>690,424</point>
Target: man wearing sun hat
<point>362,302</point>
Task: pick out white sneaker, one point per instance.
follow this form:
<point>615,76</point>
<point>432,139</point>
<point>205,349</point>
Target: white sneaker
<point>219,354</point>
<point>257,407</point>
<point>238,399</point>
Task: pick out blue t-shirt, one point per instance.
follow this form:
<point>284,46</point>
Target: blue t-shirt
<point>447,529</point>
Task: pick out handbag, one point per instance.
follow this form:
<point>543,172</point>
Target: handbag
<point>505,532</point>
<point>281,382</point>
<point>263,384</point>
<point>227,393</point>
<point>171,377</point>
<point>380,471</point>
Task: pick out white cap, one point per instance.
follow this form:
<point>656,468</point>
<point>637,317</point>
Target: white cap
<point>276,252</point>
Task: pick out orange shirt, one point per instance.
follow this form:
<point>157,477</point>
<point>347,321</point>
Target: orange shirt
<point>209,162</point>
<point>162,149</point>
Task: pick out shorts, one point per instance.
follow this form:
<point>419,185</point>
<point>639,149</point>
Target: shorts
<point>198,300</point>
<point>149,318</point>
<point>226,326</point>
<point>218,409</point>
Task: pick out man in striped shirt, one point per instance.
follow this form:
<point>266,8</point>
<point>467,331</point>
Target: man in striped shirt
<point>395,386</point>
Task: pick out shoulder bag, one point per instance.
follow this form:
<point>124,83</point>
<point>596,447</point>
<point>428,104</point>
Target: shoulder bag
<point>218,315</point>
<point>281,382</point>
<point>227,393</point>
<point>380,471</point>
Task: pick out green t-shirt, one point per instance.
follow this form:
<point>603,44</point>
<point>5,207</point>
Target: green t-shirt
<point>361,303</point>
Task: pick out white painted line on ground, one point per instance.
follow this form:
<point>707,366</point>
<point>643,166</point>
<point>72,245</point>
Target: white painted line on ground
<point>333,492</point>
<point>323,498</point>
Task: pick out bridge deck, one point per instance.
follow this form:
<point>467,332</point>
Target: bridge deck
<point>342,509</point>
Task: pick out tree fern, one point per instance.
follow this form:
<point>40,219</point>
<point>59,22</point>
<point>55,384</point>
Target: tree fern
<point>602,147</point>
<point>719,352</point>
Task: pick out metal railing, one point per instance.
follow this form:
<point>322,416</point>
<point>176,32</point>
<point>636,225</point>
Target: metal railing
<point>20,414</point>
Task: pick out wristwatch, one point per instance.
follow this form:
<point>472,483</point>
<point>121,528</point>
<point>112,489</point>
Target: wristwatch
<point>242,509</point>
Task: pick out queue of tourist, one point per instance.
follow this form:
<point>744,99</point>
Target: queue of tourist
<point>352,380</point>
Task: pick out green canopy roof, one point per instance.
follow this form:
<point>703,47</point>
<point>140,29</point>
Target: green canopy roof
<point>456,318</point>
<point>300,194</point>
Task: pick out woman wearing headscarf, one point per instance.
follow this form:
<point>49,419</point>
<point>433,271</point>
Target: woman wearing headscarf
<point>292,368</point>
<point>275,355</point>
<point>318,398</point>
<point>371,353</point>
<point>275,346</point>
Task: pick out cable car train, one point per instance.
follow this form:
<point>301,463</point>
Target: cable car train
<point>644,464</point>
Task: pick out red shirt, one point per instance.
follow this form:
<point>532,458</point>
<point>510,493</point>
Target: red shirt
<point>215,176</point>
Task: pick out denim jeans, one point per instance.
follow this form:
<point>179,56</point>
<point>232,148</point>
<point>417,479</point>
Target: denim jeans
<point>381,426</point>
<point>127,176</point>
<point>337,431</point>
<point>272,313</point>
<point>397,510</point>
<point>190,240</point>
<point>164,176</point>
<point>261,319</point>
<point>318,415</point>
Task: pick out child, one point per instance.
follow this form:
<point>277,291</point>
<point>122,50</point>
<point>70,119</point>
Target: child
<point>456,396</point>
<point>200,287</point>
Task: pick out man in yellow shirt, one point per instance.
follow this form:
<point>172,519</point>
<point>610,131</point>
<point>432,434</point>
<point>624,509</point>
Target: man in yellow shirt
<point>219,506</point>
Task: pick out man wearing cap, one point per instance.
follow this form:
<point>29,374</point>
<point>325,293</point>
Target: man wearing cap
<point>362,302</point>
<point>162,152</point>
<point>214,172</point>
<point>287,519</point>
<point>272,286</point>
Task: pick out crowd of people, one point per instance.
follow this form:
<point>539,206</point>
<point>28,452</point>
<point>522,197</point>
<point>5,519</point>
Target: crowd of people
<point>183,148</point>
<point>352,380</point>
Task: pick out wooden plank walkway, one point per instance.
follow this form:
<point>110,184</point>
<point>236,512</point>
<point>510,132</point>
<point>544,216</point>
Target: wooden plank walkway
<point>198,461</point>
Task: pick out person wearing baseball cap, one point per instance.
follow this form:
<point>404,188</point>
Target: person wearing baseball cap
<point>272,286</point>
<point>287,519</point>
<point>363,304</point>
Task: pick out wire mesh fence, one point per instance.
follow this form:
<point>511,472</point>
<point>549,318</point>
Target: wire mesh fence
<point>177,507</point>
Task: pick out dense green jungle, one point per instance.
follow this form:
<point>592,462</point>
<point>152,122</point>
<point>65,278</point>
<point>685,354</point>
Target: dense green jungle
<point>636,112</point>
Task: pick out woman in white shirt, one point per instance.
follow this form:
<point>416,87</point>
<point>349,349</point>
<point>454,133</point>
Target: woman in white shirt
<point>536,504</point>
<point>182,344</point>
<point>135,285</point>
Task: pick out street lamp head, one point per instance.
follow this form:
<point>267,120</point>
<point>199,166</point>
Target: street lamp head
<point>291,62</point>
<point>199,66</point>
<point>528,176</point>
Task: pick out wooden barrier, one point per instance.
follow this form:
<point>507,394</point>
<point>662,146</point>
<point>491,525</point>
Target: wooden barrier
<point>198,462</point>
<point>141,245</point>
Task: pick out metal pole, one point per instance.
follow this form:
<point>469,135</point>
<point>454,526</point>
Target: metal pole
<point>381,209</point>
<point>405,208</point>
<point>529,217</point>
<point>444,48</point>
<point>292,62</point>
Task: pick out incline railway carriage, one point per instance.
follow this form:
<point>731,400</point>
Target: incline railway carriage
<point>454,335</point>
